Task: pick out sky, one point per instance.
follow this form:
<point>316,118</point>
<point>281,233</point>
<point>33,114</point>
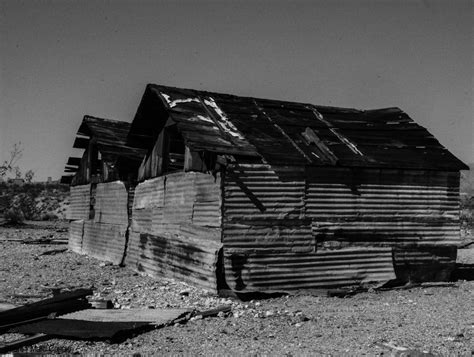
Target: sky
<point>61,60</point>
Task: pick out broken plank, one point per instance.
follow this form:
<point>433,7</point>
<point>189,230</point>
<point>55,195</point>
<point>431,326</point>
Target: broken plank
<point>28,341</point>
<point>153,316</point>
<point>214,312</point>
<point>60,303</point>
<point>54,251</point>
<point>88,330</point>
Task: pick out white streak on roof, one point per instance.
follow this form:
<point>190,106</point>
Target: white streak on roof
<point>203,118</point>
<point>347,142</point>
<point>167,97</point>
<point>173,103</point>
<point>341,137</point>
<point>224,123</point>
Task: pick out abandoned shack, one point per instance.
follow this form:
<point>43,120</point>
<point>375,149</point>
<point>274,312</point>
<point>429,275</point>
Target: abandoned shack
<point>257,195</point>
<point>100,188</point>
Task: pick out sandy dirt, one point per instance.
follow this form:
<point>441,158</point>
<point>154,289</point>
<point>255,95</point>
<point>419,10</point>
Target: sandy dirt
<point>437,320</point>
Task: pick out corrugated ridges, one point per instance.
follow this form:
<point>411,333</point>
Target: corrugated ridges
<point>260,192</point>
<point>418,264</point>
<point>104,241</point>
<point>383,207</point>
<point>278,236</point>
<point>111,203</point>
<point>80,200</point>
<point>292,272</point>
<point>176,227</point>
<point>290,213</point>
<point>186,204</point>
<point>187,259</point>
<point>76,231</point>
<point>149,193</point>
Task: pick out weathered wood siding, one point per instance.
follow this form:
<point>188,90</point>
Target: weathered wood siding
<point>175,227</point>
<point>290,228</point>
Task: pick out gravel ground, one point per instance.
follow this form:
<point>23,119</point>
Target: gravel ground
<point>439,320</point>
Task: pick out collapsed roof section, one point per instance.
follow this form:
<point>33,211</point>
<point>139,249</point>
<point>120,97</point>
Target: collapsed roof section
<point>284,133</point>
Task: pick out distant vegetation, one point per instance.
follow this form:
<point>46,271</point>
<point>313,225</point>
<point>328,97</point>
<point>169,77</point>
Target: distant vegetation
<point>467,203</point>
<point>34,201</point>
<point>21,199</point>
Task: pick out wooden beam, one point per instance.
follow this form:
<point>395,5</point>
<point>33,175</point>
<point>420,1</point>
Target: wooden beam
<point>193,161</point>
<point>81,143</point>
<point>73,161</point>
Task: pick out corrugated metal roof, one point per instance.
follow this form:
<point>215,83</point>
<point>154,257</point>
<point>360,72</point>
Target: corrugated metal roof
<point>289,133</point>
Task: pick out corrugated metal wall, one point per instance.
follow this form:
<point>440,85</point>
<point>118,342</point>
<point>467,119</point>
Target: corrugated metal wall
<point>111,203</point>
<point>383,207</point>
<point>79,206</point>
<point>268,272</point>
<point>184,258</point>
<point>76,231</point>
<point>104,236</point>
<point>175,228</point>
<point>104,241</point>
<point>332,226</point>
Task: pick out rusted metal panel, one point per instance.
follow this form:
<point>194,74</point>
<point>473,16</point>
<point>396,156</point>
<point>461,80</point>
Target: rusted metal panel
<point>104,241</point>
<point>429,263</point>
<point>111,200</point>
<point>259,192</point>
<point>187,259</point>
<point>291,272</point>
<point>149,193</point>
<point>142,220</point>
<point>297,215</point>
<point>271,237</point>
<point>132,254</point>
<point>179,198</point>
<point>80,200</point>
<point>186,204</point>
<point>76,231</point>
<point>176,227</point>
<point>383,207</point>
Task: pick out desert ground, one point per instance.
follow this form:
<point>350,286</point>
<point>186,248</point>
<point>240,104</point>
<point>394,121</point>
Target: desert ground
<point>436,320</point>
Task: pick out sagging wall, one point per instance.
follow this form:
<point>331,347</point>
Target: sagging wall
<point>176,228</point>
<point>101,235</point>
<point>290,228</point>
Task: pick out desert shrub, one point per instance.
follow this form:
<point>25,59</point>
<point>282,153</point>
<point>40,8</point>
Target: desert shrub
<point>26,203</point>
<point>466,216</point>
<point>49,216</point>
<point>14,215</point>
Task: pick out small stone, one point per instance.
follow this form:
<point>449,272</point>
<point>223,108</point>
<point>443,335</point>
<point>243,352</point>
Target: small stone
<point>221,314</point>
<point>269,313</point>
